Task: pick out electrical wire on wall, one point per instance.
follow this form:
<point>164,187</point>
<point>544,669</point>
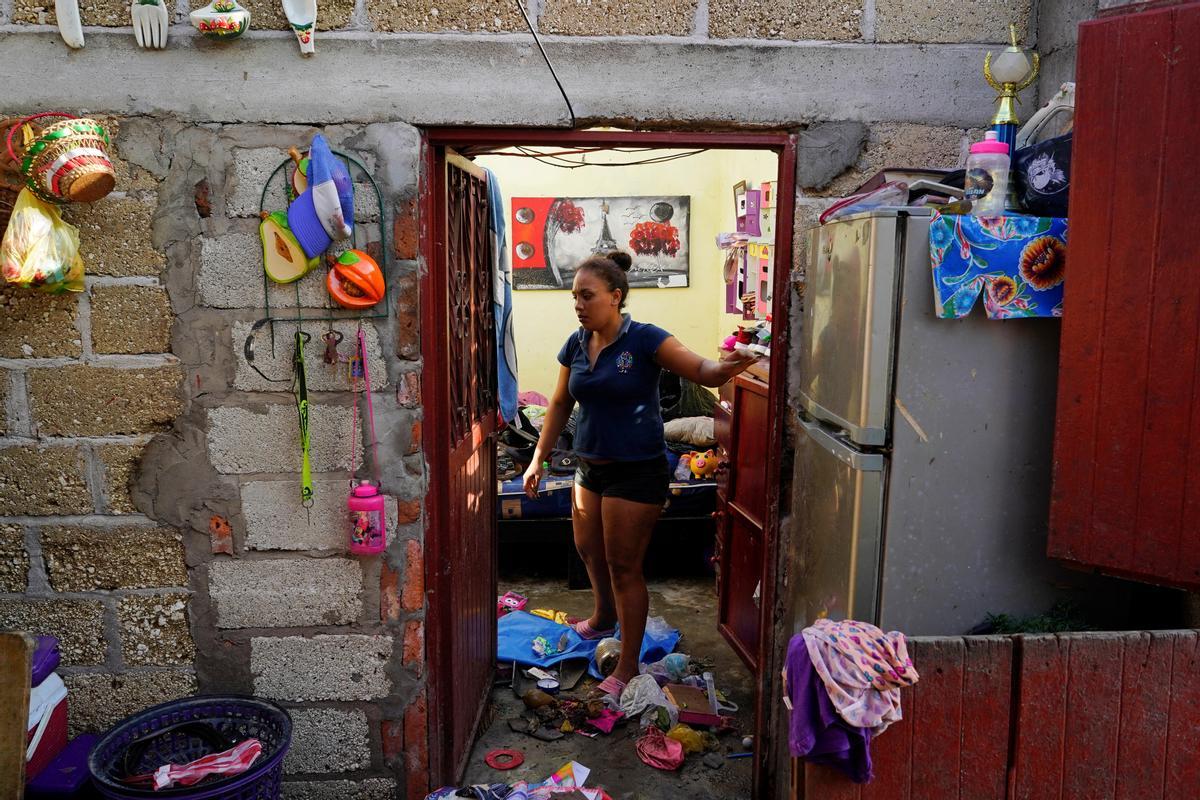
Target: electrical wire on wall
<point>546,58</point>
<point>557,158</point>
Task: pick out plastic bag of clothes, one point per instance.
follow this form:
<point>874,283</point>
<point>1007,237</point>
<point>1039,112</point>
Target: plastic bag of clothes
<point>40,251</point>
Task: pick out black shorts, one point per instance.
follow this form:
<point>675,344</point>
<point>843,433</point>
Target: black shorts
<point>639,481</point>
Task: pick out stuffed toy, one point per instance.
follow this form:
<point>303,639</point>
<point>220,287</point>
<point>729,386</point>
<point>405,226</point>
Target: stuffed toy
<point>703,465</point>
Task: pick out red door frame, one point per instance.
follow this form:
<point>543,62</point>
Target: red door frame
<point>431,206</point>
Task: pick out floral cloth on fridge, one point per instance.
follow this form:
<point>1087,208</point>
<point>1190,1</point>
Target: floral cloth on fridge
<point>1016,262</point>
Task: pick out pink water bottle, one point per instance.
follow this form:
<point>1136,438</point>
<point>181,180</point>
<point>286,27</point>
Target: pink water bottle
<point>367,531</point>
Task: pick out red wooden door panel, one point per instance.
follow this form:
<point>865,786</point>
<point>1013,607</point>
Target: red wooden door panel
<point>1126,495</point>
<point>459,354</point>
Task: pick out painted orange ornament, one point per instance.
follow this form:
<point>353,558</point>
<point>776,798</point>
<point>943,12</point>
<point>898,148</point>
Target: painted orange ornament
<point>355,281</point>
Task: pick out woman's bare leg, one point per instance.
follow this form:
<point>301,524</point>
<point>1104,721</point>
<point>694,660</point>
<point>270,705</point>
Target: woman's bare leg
<point>627,529</point>
<point>586,521</point>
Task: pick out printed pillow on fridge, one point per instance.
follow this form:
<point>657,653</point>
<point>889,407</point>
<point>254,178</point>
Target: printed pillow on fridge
<point>1016,262</point>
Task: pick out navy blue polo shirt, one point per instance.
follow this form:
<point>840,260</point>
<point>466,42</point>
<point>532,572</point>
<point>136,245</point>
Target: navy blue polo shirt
<point>619,414</point>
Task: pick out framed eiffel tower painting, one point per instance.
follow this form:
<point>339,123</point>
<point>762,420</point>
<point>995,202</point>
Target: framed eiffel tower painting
<point>551,236</point>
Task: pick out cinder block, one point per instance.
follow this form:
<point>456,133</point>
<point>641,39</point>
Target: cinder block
<point>369,789</point>
<point>447,15</point>
<point>328,740</point>
<point>231,276</point>
<point>251,170</point>
<point>14,560</point>
<point>100,700</point>
<point>154,630</point>
<point>78,624</point>
<point>83,559</point>
<point>321,377</point>
<point>800,19</point>
<point>618,18</point>
<point>98,401</point>
<point>131,319</point>
<point>243,441</point>
<point>36,325</point>
<point>923,21</point>
<point>275,594</point>
<point>120,466</point>
<point>321,668</point>
<point>40,481</point>
<point>275,520</point>
<point>115,234</point>
<point>106,13</point>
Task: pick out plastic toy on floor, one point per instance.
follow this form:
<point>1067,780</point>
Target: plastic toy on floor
<point>510,601</point>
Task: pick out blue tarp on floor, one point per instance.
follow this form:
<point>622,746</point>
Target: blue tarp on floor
<point>516,631</point>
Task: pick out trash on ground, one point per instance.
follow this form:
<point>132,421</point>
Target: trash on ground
<point>504,759</point>
<point>655,749</point>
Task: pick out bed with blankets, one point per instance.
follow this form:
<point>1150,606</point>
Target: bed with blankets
<point>687,415</point>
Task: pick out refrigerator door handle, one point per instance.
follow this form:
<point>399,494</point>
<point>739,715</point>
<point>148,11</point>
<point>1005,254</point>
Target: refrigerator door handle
<point>841,450</point>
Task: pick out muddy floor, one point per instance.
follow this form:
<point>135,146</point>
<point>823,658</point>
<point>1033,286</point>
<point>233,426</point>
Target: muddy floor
<point>689,604</point>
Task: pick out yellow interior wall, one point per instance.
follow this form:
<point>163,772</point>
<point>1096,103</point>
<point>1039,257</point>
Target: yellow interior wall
<point>695,314</point>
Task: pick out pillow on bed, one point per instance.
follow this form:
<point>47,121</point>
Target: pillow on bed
<point>696,431</point>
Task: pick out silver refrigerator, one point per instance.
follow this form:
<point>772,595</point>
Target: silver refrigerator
<point>923,445</point>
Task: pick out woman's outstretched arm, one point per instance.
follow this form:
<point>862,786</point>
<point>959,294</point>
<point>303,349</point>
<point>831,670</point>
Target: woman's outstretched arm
<point>673,356</point>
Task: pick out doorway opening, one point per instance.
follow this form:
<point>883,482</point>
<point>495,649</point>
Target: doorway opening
<point>711,563</point>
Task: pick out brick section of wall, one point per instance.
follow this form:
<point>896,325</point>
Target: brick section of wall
<point>14,559</point>
<point>78,624</point>
<point>328,740</point>
<point>321,668</point>
<point>276,434</point>
<point>414,585</point>
<point>447,15</point>
<point>801,19</point>
<point>120,463</point>
<point>416,745</point>
<point>618,18</point>
<point>408,317</point>
<point>130,319</point>
<point>81,559</point>
<point>154,630</point>
<point>98,701</point>
<point>924,21</point>
<point>99,401</point>
<point>276,594</point>
<point>41,481</point>
<point>115,233</point>
<point>369,789</point>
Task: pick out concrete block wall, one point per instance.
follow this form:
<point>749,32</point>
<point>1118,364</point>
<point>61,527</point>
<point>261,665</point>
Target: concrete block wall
<point>87,380</point>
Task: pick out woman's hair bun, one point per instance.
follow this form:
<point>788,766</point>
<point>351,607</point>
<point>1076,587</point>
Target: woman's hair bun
<point>622,260</point>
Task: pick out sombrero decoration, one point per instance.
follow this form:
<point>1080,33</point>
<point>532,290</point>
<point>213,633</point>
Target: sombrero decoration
<point>67,161</point>
<point>355,281</point>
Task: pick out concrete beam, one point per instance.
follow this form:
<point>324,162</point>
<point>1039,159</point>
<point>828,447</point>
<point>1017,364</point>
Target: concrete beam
<point>497,80</point>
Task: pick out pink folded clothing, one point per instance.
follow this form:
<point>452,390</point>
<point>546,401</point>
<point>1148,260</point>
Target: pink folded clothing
<point>233,761</point>
<point>607,720</point>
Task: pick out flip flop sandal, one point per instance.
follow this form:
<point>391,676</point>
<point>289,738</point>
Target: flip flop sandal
<point>609,686</point>
<point>588,633</point>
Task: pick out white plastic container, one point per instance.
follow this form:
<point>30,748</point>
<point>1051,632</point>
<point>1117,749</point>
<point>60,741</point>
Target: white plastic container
<point>987,176</point>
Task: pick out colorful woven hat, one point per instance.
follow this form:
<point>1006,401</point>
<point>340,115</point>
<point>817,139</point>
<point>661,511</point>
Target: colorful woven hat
<point>66,161</point>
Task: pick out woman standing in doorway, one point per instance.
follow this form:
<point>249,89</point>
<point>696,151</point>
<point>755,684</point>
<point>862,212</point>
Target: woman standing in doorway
<point>611,367</point>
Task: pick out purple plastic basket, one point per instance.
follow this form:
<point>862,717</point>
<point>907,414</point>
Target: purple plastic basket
<point>234,717</point>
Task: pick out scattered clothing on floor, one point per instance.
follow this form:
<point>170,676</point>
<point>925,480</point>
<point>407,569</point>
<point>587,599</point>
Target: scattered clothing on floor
<point>863,670</point>
<point>655,749</point>
<point>816,732</point>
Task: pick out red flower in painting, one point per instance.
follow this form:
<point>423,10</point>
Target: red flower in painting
<point>1044,262</point>
<point>568,216</point>
<point>654,238</point>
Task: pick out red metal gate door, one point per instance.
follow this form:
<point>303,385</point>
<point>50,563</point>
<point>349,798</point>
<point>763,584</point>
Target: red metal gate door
<point>460,360</point>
